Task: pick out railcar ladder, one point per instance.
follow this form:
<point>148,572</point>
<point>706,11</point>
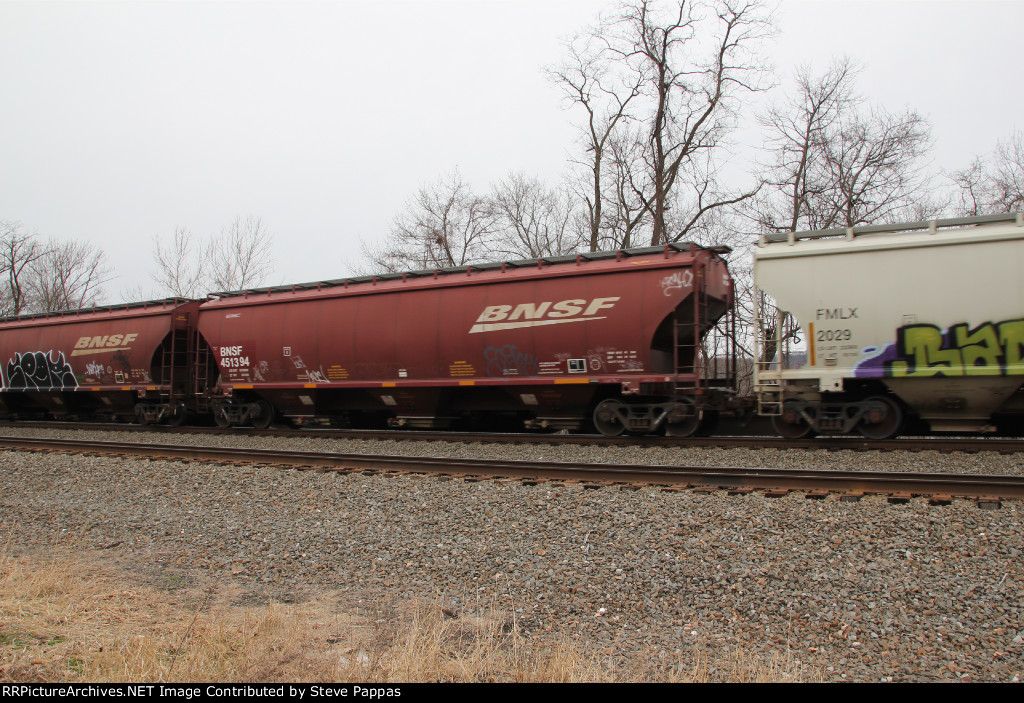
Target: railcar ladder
<point>771,351</point>
<point>201,372</point>
<point>174,357</point>
<point>686,340</point>
<point>705,350</point>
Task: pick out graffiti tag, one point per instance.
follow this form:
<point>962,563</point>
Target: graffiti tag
<point>317,376</point>
<point>921,350</point>
<point>507,360</point>
<point>35,370</point>
<point>260,370</point>
<point>122,359</point>
<point>679,279</point>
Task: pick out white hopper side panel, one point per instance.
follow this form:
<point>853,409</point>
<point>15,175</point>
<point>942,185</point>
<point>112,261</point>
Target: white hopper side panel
<point>947,305</point>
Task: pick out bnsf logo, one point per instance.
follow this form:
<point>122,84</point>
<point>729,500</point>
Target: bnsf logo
<point>506,317</point>
<point>98,345</point>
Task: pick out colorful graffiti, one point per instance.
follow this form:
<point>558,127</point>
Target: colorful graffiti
<point>990,349</point>
<point>37,370</point>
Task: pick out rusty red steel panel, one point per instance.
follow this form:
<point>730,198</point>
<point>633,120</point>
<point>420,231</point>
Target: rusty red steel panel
<point>565,323</point>
<point>103,348</point>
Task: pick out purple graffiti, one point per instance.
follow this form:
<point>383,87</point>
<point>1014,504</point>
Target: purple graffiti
<point>507,360</point>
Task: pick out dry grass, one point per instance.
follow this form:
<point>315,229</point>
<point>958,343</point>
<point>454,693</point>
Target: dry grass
<point>65,619</point>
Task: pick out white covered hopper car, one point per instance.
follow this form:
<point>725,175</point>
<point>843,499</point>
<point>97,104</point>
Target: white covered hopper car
<point>863,329</point>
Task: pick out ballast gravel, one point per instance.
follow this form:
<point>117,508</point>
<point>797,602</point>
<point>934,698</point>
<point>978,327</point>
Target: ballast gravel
<point>858,591</point>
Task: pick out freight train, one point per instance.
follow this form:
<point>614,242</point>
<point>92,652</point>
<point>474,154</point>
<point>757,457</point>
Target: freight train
<point>867,327</point>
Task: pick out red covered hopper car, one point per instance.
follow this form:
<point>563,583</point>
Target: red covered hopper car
<point>131,360</point>
<point>611,338</point>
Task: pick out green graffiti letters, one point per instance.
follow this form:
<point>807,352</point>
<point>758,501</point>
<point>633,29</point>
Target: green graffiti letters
<point>1011,336</point>
<point>990,349</point>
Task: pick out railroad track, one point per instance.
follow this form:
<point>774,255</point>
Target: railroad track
<point>914,444</point>
<point>987,489</point>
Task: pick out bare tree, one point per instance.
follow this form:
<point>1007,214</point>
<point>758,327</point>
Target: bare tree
<point>657,83</point>
<point>18,251</point>
<point>444,225</point>
<point>179,266</point>
<point>873,167</point>
<point>835,164</point>
<point>796,133</point>
<point>626,214</point>
<point>590,78</point>
<point>534,221</point>
<point>68,276</point>
<point>236,259</point>
<point>241,256</point>
<point>993,186</point>
<point>971,187</point>
<point>700,208</point>
<point>693,63</point>
<point>1008,177</point>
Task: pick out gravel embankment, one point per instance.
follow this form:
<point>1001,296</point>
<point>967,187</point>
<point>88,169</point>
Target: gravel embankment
<point>863,591</point>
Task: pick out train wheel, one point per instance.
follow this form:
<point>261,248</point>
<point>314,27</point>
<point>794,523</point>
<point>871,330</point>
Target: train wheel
<point>708,423</point>
<point>219,418</point>
<point>791,424</point>
<point>879,425</point>
<point>177,416</point>
<point>266,416</point>
<point>608,417</point>
<point>685,425</point>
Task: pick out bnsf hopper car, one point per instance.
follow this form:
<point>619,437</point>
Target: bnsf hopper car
<point>922,320</point>
<point>120,361</point>
<point>608,338</point>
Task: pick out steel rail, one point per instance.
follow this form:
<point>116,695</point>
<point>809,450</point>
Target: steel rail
<point>849,481</point>
<point>914,444</point>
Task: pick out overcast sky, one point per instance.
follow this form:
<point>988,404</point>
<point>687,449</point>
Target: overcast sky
<point>123,120</point>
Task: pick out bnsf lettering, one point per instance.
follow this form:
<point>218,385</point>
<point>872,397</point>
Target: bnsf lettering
<point>537,311</point>
<point>599,304</point>
<point>231,357</point>
<point>494,312</point>
<point>529,311</point>
<point>113,340</point>
<point>568,308</point>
